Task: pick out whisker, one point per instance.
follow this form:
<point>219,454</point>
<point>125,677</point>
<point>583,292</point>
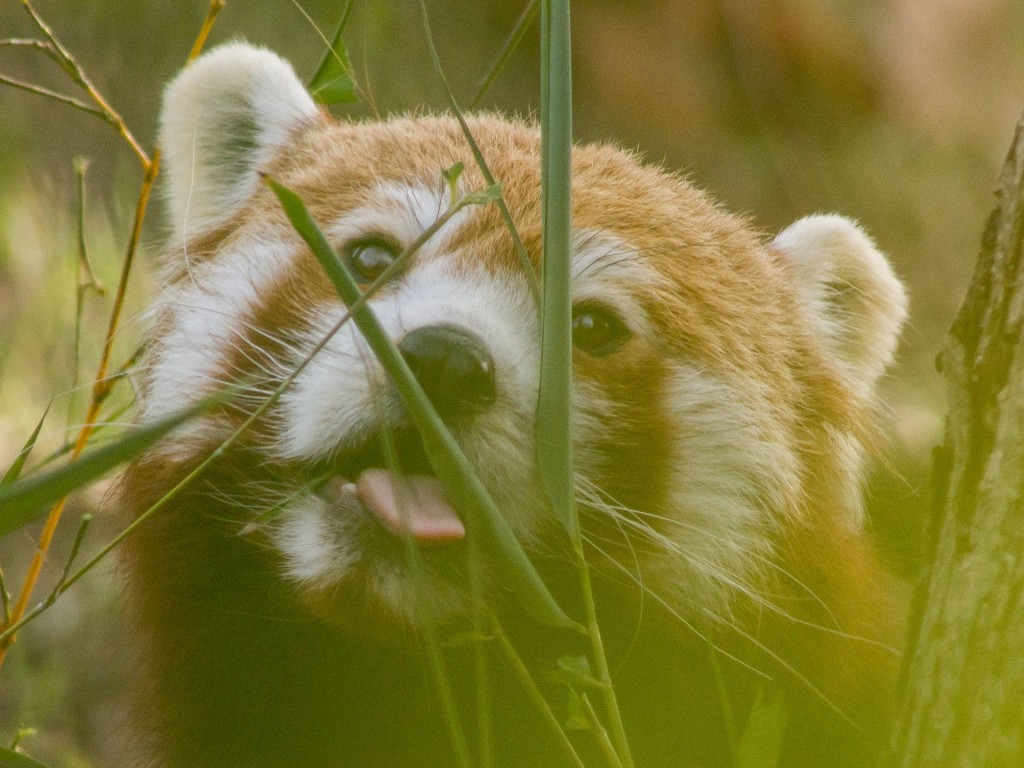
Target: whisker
<point>709,568</point>
<point>679,617</point>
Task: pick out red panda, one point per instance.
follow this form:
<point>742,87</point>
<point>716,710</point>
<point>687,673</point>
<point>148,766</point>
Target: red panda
<point>724,389</point>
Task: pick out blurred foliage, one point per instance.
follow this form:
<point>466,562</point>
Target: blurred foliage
<point>896,112</point>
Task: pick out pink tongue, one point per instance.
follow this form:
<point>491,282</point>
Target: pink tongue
<point>414,505</point>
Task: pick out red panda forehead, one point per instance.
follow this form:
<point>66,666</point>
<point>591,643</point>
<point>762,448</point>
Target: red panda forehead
<point>335,158</point>
<point>699,272</point>
<point>612,189</point>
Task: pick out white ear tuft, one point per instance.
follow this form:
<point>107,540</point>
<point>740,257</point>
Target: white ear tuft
<point>224,116</point>
<point>852,292</point>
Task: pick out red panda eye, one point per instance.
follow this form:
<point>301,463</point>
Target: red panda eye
<point>597,330</point>
<point>368,258</point>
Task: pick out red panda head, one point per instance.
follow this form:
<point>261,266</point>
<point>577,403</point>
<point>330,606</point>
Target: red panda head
<point>722,384</point>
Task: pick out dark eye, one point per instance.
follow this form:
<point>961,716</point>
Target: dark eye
<point>596,329</point>
<point>368,258</point>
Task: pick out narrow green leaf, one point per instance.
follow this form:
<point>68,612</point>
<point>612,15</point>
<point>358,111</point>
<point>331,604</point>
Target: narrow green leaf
<point>576,672</point>
<point>11,759</point>
<point>761,742</point>
<point>489,194</point>
<point>482,516</point>
<point>14,471</point>
<point>23,501</point>
<point>332,82</point>
<point>575,713</point>
<point>451,176</point>
<point>554,407</point>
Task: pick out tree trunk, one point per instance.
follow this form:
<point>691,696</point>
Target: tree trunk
<point>962,690</point>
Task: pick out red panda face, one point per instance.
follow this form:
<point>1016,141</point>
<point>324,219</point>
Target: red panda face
<point>722,384</point>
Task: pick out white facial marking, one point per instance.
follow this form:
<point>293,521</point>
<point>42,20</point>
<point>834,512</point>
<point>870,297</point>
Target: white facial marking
<point>343,394</point>
<point>402,212</point>
<point>317,542</point>
<point>608,270</point>
<point>205,319</point>
<point>732,475</point>
<point>314,551</point>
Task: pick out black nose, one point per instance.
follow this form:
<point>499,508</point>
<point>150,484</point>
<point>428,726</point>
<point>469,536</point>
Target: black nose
<point>453,367</point>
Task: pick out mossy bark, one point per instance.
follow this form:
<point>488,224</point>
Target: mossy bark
<point>962,690</point>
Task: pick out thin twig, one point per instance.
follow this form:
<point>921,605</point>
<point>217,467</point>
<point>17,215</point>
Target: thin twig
<point>526,19</point>
<point>83,529</point>
<point>74,70</point>
<point>600,733</point>
<point>29,42</point>
<point>71,102</point>
<point>103,384</point>
<point>600,660</point>
<point>87,279</point>
<point>540,704</point>
<point>5,596</point>
<point>478,155</point>
<point>428,626</point>
<point>216,6</point>
<point>483,686</point>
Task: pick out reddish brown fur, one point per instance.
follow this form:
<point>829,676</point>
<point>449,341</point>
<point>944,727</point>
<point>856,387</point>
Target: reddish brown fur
<point>725,301</point>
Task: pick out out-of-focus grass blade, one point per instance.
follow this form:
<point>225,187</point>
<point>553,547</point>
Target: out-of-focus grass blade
<point>527,18</point>
<point>453,469</point>
<point>332,82</point>
<point>14,471</point>
<point>761,741</point>
<point>11,759</point>
<point>23,501</point>
<point>554,408</point>
<point>478,155</point>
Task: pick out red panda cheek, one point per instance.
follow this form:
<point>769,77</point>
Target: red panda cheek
<point>628,449</point>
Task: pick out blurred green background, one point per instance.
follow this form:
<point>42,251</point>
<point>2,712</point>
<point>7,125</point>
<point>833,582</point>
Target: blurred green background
<point>896,112</point>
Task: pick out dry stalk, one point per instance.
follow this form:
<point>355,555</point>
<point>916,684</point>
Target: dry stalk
<point>74,70</point>
<point>102,383</point>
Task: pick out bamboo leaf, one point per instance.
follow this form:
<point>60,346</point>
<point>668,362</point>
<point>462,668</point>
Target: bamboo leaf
<point>451,176</point>
<point>489,194</point>
<point>14,471</point>
<point>332,82</point>
<point>575,672</point>
<point>468,494</point>
<point>23,501</point>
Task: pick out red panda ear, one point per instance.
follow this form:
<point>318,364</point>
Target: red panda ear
<point>223,117</point>
<point>854,297</point>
